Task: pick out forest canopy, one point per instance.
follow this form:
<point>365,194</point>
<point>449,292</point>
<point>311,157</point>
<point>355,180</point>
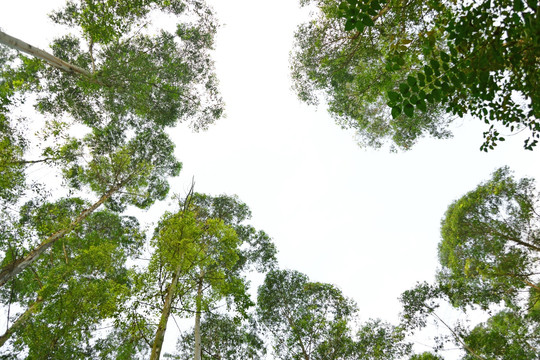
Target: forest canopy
<point>85,275</point>
<point>396,71</point>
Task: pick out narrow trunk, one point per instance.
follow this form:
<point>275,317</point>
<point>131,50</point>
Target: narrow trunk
<point>11,270</point>
<point>198,318</point>
<point>52,60</point>
<point>21,320</point>
<point>165,313</point>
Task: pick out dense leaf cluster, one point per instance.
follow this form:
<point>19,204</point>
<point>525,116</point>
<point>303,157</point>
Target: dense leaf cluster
<point>391,69</point>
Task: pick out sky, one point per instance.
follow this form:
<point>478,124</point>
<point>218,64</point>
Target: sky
<point>365,220</point>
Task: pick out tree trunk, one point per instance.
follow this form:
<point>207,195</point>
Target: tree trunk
<point>197,330</point>
<point>21,320</point>
<point>52,60</point>
<point>165,313</point>
<point>11,270</point>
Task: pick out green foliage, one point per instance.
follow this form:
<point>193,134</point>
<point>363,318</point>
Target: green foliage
<point>305,319</point>
<point>380,341</point>
<point>349,67</point>
<point>425,356</point>
<point>210,243</point>
<point>78,285</point>
<point>135,78</point>
<point>223,338</point>
<point>506,335</point>
<point>12,147</point>
<point>490,242</point>
<point>418,303</point>
<point>202,253</point>
<point>422,59</point>
<point>489,257</point>
<point>105,131</point>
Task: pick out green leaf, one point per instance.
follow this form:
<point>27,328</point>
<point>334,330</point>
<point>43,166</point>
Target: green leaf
<point>421,104</point>
<point>396,111</point>
<point>367,20</point>
<point>408,110</point>
<point>349,25</point>
<point>445,57</point>
<point>411,80</point>
<point>394,96</point>
<point>436,95</point>
<point>399,60</point>
<point>404,88</point>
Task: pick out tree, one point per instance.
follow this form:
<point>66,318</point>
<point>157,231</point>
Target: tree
<point>425,356</point>
<point>491,242</point>
<point>138,166</point>
<point>223,338</point>
<point>201,254</point>
<point>506,335</point>
<point>306,320</point>
<point>124,74</point>
<point>377,340</point>
<point>76,288</point>
<point>125,88</point>
<point>489,258</point>
<point>391,69</point>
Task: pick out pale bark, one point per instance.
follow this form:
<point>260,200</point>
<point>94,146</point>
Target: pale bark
<point>11,270</point>
<point>197,332</point>
<point>171,290</point>
<point>21,320</point>
<point>165,313</point>
<point>52,60</point>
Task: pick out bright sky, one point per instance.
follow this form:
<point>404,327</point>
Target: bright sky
<point>364,220</point>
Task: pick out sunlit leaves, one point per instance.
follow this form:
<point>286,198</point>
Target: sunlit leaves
<point>490,241</point>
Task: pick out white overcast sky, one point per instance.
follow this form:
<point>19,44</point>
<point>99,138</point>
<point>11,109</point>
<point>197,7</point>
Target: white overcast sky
<point>365,220</point>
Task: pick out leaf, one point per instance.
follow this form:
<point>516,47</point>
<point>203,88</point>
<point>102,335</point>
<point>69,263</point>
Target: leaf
<point>411,80</point>
<point>396,111</point>
<point>394,96</point>
<point>436,93</point>
<point>445,57</point>
<point>421,104</point>
<point>367,20</point>
<point>404,88</point>
<point>349,25</point>
<point>408,110</point>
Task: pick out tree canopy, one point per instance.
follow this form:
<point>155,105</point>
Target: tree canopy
<point>398,70</point>
<point>489,260</point>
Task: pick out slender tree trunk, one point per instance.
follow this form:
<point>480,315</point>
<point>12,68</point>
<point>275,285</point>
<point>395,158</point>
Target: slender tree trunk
<point>197,331</point>
<point>40,54</point>
<point>11,270</point>
<point>165,313</point>
<point>21,320</point>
